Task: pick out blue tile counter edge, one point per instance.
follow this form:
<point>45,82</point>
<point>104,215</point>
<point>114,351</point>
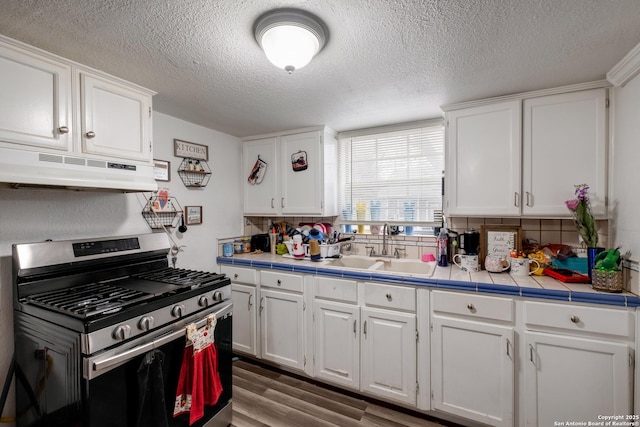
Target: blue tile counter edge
<point>436,283</point>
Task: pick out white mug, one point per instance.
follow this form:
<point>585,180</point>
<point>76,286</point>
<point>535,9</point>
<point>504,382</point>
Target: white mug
<point>520,266</point>
<point>496,263</point>
<point>298,248</point>
<point>467,262</point>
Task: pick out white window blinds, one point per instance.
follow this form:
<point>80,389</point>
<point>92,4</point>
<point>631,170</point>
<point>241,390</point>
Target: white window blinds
<point>393,176</point>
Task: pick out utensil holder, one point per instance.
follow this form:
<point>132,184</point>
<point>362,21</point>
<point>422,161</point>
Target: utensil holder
<point>606,281</point>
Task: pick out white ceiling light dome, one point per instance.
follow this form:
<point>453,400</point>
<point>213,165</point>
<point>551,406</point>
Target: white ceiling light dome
<point>289,37</point>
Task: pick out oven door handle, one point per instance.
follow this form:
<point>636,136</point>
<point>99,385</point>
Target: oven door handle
<point>104,364</point>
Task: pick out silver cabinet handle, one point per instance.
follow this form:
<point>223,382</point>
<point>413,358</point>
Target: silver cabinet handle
<point>272,201</point>
<point>354,328</point>
<point>261,304</point>
<point>90,135</point>
<point>531,353</point>
<point>282,202</point>
<point>63,129</point>
<point>575,319</point>
<point>508,354</point>
<point>250,302</point>
<point>516,199</point>
<point>365,328</point>
<point>528,199</point>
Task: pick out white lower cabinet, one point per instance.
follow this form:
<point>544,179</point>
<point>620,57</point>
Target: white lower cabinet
<point>577,363</point>
<point>388,345</point>
<point>337,343</point>
<point>282,328</point>
<point>472,357</point>
<point>244,318</point>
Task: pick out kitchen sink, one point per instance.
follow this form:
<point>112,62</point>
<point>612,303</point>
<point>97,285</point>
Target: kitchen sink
<point>353,261</point>
<point>407,266</point>
<point>392,265</point>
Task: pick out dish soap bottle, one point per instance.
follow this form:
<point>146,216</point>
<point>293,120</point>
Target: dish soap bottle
<point>443,241</point>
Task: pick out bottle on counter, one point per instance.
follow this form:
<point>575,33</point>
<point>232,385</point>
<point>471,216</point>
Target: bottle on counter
<point>443,241</point>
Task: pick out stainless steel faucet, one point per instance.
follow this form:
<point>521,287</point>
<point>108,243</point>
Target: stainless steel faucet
<point>385,230</point>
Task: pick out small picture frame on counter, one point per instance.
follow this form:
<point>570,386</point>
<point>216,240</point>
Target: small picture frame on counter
<point>193,215</point>
<point>499,240</point>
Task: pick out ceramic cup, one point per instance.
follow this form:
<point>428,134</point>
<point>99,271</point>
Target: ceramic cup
<point>521,266</point>
<point>467,262</point>
<point>298,249</point>
<point>496,263</point>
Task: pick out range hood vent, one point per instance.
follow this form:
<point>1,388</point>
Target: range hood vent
<point>31,168</point>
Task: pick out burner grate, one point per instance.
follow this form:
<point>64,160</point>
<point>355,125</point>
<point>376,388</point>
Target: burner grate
<point>179,276</point>
<point>89,300</point>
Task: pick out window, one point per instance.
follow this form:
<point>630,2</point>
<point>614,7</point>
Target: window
<point>392,174</point>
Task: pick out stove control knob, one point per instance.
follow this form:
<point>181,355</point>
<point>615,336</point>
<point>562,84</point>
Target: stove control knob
<point>217,296</point>
<point>122,332</point>
<point>146,323</point>
<point>177,310</point>
<point>203,301</point>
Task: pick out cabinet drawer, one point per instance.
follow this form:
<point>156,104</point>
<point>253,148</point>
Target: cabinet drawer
<point>284,281</point>
<point>336,289</point>
<point>480,306</point>
<point>389,296</point>
<point>575,318</point>
<point>239,275</point>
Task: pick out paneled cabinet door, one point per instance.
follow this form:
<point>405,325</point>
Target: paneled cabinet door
<point>282,328</point>
<point>35,106</point>
<point>472,371</point>
<point>483,160</point>
<point>302,180</point>
<point>388,352</point>
<point>337,343</point>
<point>564,144</point>
<point>577,379</point>
<point>261,196</point>
<point>244,318</point>
<point>115,120</point>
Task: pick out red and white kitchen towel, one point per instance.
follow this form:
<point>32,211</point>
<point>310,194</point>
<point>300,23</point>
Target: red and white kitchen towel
<point>199,382</point>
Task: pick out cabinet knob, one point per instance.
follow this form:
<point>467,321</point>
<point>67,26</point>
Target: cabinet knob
<point>470,307</point>
<point>279,282</point>
<point>63,129</point>
<point>90,134</point>
<point>575,319</point>
<point>389,297</point>
<point>235,276</point>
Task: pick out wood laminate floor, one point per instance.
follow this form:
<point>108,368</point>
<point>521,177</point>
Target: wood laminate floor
<point>264,396</point>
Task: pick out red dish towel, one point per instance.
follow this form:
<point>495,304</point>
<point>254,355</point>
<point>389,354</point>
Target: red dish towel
<point>199,382</point>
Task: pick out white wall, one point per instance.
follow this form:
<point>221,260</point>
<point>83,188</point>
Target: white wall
<point>29,215</point>
<point>625,173</point>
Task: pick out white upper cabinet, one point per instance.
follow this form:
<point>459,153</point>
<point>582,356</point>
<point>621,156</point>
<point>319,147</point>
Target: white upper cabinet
<point>299,176</point>
<point>483,160</point>
<point>522,157</point>
<point>115,119</point>
<point>53,105</point>
<point>35,107</point>
<point>564,144</point>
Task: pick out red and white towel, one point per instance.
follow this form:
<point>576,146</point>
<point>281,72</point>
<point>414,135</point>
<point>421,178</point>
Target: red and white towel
<point>199,382</point>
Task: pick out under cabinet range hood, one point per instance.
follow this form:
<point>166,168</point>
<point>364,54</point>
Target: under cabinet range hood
<point>31,168</point>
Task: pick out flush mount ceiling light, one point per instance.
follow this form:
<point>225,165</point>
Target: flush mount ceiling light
<point>290,37</point>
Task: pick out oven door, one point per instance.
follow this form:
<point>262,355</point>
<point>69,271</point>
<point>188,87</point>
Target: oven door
<point>136,385</point>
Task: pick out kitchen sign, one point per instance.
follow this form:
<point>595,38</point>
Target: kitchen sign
<point>190,150</point>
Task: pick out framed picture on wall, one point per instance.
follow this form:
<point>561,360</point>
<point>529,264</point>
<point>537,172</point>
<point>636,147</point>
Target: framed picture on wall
<point>193,215</point>
<point>161,170</point>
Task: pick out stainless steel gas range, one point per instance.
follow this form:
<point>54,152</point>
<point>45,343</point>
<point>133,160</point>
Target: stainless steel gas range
<point>100,333</point>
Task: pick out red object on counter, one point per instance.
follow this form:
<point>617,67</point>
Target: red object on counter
<point>567,276</point>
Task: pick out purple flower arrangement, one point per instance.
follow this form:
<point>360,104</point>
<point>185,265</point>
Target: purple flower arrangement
<point>581,211</point>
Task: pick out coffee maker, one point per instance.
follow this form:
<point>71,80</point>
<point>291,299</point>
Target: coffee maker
<point>470,242</point>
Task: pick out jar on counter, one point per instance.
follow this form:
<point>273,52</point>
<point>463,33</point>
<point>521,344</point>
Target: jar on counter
<point>237,246</point>
<point>246,244</point>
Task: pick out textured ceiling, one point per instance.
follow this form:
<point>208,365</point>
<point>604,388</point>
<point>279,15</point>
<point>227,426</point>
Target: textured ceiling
<point>386,61</point>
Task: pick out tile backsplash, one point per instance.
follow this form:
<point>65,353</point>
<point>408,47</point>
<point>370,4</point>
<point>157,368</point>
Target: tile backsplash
<point>542,231</point>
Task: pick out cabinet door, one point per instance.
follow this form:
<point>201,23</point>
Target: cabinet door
<point>473,370</point>
<point>388,347</point>
<point>569,378</point>
<point>483,160</point>
<point>260,197</point>
<point>302,191</point>
<point>35,106</point>
<point>282,328</point>
<point>115,120</point>
<point>337,343</point>
<point>244,318</point>
<point>564,144</point>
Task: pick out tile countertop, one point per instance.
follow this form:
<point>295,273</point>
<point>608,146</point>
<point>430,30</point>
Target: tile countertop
<point>539,287</point>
